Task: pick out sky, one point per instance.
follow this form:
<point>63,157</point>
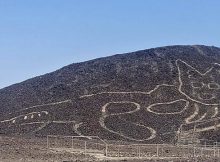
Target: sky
<point>38,37</point>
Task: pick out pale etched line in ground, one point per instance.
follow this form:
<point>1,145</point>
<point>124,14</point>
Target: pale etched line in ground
<point>103,109</point>
<point>152,131</point>
<point>216,113</point>
<point>48,104</point>
<point>24,115</point>
<point>181,83</point>
<point>196,112</point>
<point>134,92</point>
<point>167,103</point>
<point>207,128</point>
<point>105,115</point>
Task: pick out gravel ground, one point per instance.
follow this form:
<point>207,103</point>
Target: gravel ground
<point>26,149</point>
<point>17,149</point>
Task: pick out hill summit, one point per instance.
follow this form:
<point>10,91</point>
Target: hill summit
<point>148,96</point>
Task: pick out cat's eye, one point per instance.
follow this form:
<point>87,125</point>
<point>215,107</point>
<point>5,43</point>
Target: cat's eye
<point>213,86</point>
<point>192,75</point>
<point>197,84</point>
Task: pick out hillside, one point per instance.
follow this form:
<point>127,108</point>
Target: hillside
<point>145,96</point>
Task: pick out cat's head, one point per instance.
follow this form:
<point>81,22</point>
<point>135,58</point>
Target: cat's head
<point>198,86</point>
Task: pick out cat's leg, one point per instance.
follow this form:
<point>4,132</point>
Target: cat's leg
<point>204,118</point>
<point>168,117</point>
<point>107,115</point>
<point>114,120</point>
<point>202,113</point>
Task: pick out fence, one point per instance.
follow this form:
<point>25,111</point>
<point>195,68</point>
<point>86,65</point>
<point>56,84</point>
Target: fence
<point>89,144</point>
<point>189,133</point>
<point>94,145</point>
<point>162,150</point>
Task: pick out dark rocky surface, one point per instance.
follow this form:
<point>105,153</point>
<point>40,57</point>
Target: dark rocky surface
<point>143,96</point>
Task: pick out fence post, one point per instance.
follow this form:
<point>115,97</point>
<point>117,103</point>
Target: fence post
<point>139,151</point>
<point>157,150</point>
<point>194,150</point>
<point>118,151</point>
<point>47,143</point>
<point>218,152</point>
<point>72,143</point>
<point>188,151</point>
<point>214,150</point>
<point>56,141</point>
<point>201,152</point>
<point>106,150</point>
<point>85,147</point>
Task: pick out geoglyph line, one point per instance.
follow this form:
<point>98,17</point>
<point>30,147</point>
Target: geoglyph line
<point>134,92</point>
<point>24,115</point>
<point>216,113</point>
<point>104,115</point>
<point>196,112</point>
<point>194,115</point>
<point>167,103</point>
<point>63,122</point>
<point>200,122</point>
<point>128,112</point>
<point>76,127</point>
<point>152,131</point>
<point>149,108</point>
<point>49,104</point>
<point>207,128</point>
<point>202,117</point>
<point>214,126</point>
<point>181,83</point>
<point>31,123</point>
<point>210,69</point>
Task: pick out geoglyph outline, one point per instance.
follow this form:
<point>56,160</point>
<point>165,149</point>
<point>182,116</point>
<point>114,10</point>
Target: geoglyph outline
<point>101,121</point>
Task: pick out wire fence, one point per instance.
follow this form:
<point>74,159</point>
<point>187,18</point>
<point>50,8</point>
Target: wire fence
<point>94,145</point>
<point>90,144</point>
<point>161,150</point>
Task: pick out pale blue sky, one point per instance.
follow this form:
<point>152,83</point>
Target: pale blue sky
<point>40,36</point>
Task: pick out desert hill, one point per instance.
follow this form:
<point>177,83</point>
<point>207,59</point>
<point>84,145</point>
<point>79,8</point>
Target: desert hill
<point>144,96</point>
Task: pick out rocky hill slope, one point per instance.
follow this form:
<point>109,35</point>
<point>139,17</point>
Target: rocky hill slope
<point>146,96</point>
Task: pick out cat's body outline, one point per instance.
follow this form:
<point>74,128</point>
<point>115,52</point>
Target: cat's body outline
<point>179,88</point>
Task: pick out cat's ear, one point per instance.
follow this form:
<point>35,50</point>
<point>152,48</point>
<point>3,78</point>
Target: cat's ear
<point>187,70</point>
<point>215,69</point>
